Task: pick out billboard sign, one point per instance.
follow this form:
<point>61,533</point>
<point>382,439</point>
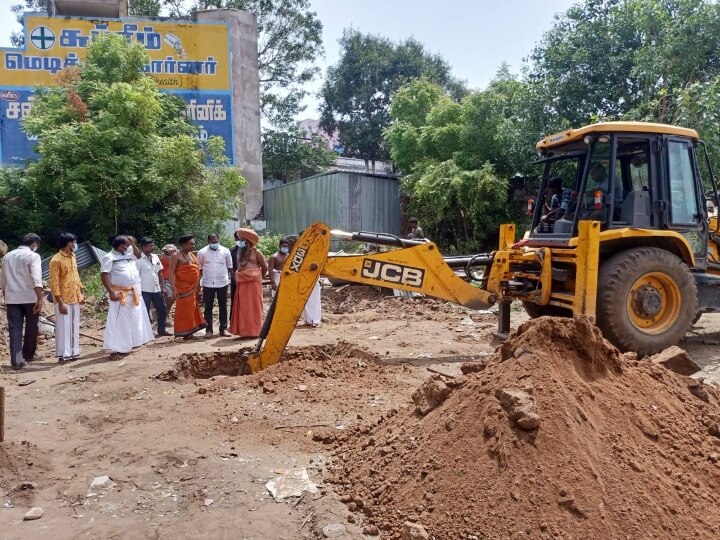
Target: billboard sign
<point>188,59</point>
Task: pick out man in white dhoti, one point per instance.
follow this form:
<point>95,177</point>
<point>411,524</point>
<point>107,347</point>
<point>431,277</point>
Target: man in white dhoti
<point>128,324</point>
<point>67,295</point>
<point>313,308</point>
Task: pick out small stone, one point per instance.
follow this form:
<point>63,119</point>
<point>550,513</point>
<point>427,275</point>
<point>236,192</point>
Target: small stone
<point>520,406</point>
<point>268,388</point>
<point>334,530</point>
<point>414,531</point>
<point>713,457</point>
<point>202,390</point>
<point>371,530</point>
<point>34,513</point>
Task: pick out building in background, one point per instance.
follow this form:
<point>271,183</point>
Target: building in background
<point>211,62</point>
<point>344,200</point>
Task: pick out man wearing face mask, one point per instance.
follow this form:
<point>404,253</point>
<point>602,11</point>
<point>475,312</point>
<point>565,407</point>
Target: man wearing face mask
<point>128,324</point>
<point>21,282</point>
<point>215,267</point>
<point>276,263</point>
<point>152,283</point>
<point>67,294</point>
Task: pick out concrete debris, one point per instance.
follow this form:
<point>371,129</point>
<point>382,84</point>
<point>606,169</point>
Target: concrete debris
<point>414,531</point>
<point>334,530</point>
<point>676,359</point>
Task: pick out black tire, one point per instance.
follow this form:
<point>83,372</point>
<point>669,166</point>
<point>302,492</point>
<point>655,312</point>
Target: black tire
<point>669,288</point>
<point>535,310</point>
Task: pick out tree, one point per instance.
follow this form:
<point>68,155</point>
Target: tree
<point>115,156</point>
<point>292,155</point>
<point>17,38</point>
<point>615,58</point>
<point>357,91</point>
<point>290,40</point>
<point>458,157</point>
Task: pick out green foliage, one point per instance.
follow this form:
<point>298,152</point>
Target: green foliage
<point>357,91</point>
<point>115,156</point>
<point>269,243</point>
<point>615,58</point>
<point>289,42</point>
<point>458,158</point>
<point>289,155</point>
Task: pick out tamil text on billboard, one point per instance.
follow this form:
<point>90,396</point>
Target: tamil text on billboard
<point>189,59</point>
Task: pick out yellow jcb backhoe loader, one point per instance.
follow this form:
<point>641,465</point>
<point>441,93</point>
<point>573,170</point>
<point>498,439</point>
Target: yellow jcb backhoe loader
<point>620,233</point>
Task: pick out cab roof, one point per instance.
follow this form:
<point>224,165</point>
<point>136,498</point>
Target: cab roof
<point>570,135</point>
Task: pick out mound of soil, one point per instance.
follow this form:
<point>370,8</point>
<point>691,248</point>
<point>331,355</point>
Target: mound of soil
<point>23,471</point>
<point>559,436</point>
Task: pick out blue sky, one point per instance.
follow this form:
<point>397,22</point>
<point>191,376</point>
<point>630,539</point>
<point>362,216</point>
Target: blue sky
<point>474,36</point>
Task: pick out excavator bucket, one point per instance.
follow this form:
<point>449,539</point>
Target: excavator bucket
<point>302,270</point>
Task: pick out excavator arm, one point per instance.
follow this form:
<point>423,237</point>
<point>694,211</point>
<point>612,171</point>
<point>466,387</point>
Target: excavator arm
<point>415,267</point>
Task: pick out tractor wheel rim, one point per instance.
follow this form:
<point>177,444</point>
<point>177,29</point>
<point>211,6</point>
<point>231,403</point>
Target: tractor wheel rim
<point>654,302</point>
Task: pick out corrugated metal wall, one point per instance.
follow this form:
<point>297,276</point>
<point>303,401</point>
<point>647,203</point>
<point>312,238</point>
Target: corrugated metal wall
<point>348,201</point>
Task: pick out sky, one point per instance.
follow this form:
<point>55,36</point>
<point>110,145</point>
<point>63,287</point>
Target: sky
<point>474,36</point>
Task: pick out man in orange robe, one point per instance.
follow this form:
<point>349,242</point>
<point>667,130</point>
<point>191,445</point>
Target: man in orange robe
<point>185,280</point>
<point>247,313</point>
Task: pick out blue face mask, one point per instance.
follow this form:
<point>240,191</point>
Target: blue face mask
<point>285,250</point>
<point>214,246</point>
<point>240,243</point>
<point>75,247</point>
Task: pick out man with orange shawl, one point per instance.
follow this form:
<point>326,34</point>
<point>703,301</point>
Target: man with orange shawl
<point>185,281</point>
<point>247,311</point>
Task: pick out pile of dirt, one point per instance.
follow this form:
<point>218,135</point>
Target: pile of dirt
<point>558,436</point>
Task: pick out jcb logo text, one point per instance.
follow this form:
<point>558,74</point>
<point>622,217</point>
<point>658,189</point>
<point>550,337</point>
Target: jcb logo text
<point>298,260</point>
<point>393,273</point>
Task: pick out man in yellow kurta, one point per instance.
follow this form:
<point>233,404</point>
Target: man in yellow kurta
<point>67,293</point>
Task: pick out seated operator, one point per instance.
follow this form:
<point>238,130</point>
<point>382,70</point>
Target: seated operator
<point>562,201</point>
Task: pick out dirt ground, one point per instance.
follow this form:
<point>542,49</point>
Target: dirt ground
<point>189,449</point>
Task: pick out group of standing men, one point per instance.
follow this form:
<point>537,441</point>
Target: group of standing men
<point>135,278</point>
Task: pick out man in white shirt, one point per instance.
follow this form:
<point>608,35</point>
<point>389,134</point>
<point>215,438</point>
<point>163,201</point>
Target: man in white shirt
<point>21,282</point>
<point>152,284</point>
<point>215,264</point>
<point>127,324</point>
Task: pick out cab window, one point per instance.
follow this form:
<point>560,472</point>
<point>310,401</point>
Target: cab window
<point>683,196</point>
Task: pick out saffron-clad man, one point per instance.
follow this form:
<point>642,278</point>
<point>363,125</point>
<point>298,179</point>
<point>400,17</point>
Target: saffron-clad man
<point>185,280</point>
<point>128,324</point>
<point>21,282</point>
<point>67,294</point>
<point>247,314</point>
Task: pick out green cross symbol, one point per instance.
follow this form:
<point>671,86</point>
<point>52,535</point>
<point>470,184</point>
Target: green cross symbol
<point>40,36</point>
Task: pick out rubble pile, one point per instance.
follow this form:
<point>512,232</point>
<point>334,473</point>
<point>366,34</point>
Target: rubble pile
<point>557,435</point>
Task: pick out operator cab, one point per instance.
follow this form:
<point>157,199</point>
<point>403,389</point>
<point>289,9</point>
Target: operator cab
<point>622,174</point>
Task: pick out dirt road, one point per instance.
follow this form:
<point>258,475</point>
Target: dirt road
<point>190,457</point>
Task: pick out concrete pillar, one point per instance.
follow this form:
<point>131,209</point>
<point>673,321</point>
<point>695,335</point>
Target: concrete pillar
<point>246,101</point>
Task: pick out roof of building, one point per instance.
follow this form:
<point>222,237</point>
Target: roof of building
<point>570,135</point>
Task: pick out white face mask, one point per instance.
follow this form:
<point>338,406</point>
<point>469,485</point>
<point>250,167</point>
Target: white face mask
<point>240,243</point>
<point>34,248</point>
<point>285,250</point>
<point>214,246</point>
